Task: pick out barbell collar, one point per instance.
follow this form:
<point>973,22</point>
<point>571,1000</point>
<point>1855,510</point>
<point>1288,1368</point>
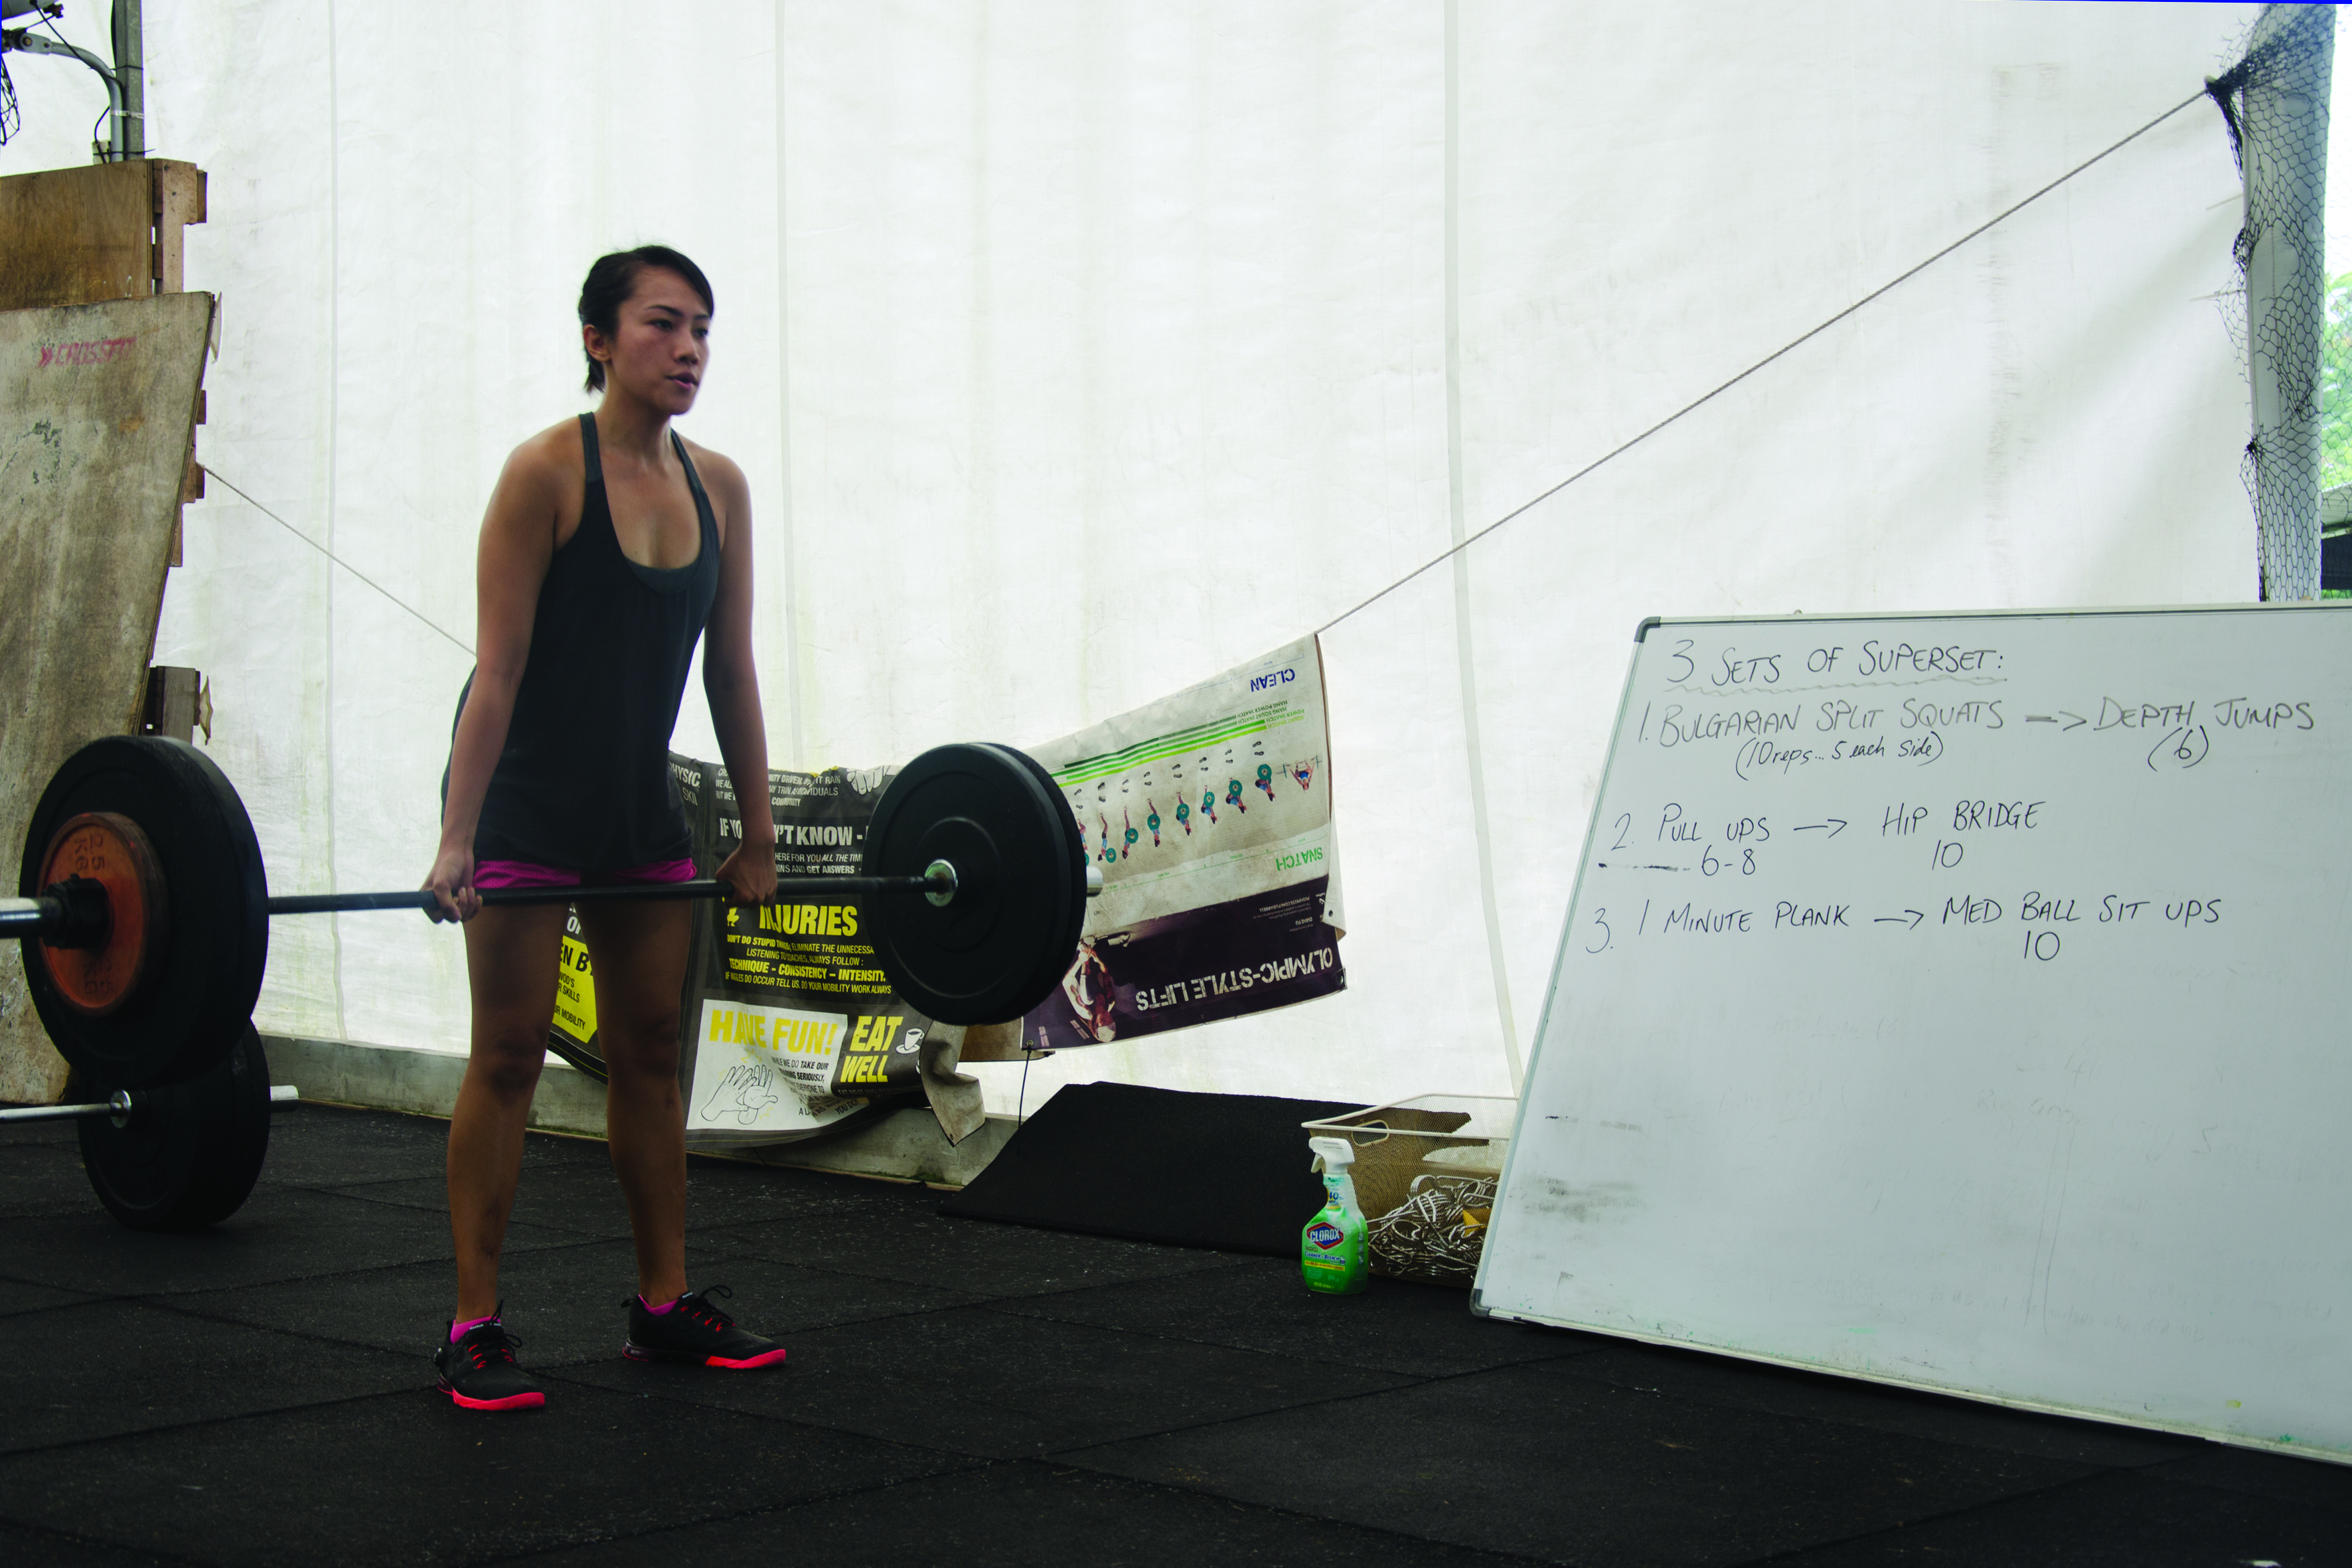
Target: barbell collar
<point>72,912</point>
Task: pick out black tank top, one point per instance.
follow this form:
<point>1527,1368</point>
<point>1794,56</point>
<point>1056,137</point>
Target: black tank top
<point>584,781</point>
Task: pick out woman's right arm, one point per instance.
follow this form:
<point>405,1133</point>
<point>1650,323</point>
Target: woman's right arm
<point>518,542</point>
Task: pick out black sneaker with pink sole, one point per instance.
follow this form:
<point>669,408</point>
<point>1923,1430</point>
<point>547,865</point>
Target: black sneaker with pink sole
<point>478,1371</point>
<point>695,1332</point>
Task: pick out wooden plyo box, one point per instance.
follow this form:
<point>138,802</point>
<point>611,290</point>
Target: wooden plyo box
<point>101,370</point>
<point>107,231</point>
<point>96,409</point>
<point>104,231</point>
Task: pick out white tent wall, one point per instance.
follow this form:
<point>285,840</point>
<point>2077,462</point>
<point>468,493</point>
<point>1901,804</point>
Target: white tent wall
<point>1076,352</point>
<point>2051,415</point>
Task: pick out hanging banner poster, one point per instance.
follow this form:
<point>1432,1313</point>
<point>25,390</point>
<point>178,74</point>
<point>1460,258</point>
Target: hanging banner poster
<point>1210,814</point>
<point>789,1028</point>
<point>792,1001</point>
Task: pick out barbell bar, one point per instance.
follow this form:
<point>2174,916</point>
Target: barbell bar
<point>76,913</point>
<point>120,1107</point>
<point>143,906</point>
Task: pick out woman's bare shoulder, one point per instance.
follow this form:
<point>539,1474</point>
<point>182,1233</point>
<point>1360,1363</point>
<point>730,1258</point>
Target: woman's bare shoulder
<point>718,470</point>
<point>546,476</point>
<point>552,453</point>
<point>542,488</point>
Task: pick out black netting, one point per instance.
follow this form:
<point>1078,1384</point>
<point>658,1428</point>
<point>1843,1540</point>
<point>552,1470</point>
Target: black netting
<point>9,119</point>
<point>2274,101</point>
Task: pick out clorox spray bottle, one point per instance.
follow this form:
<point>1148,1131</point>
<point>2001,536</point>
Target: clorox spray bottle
<point>1331,1249</point>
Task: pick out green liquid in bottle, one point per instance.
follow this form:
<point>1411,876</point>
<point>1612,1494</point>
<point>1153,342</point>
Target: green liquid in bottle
<point>1331,1249</point>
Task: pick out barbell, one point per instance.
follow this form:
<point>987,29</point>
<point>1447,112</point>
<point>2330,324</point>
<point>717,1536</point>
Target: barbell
<point>144,908</point>
<point>180,1156</point>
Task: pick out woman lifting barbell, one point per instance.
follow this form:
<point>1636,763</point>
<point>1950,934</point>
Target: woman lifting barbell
<point>609,546</point>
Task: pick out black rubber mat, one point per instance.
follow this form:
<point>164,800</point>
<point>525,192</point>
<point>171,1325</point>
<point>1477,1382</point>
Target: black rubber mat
<point>990,1394</point>
<point>1229,1171</point>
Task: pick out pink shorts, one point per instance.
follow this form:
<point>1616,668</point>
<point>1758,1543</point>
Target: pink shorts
<point>530,874</point>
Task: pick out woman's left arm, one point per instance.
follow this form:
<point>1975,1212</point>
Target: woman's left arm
<point>732,685</point>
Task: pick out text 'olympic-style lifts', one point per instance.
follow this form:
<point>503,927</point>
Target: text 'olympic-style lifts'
<point>1842,717</point>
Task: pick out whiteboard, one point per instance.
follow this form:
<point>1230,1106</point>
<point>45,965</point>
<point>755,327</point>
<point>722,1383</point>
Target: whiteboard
<point>1960,1002</point>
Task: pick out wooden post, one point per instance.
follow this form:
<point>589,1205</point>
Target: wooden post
<point>178,703</point>
<point>178,200</point>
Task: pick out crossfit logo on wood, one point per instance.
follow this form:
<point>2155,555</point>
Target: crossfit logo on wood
<point>99,351</point>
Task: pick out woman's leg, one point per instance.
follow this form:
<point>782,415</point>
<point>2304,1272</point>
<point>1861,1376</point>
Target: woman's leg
<point>511,959</point>
<point>637,952</point>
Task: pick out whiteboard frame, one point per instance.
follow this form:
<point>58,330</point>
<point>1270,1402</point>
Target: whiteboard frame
<point>1478,1307</point>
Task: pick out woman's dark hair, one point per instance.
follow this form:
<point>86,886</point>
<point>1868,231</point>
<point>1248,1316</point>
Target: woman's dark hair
<point>614,278</point>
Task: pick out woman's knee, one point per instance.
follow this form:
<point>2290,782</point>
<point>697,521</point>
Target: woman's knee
<point>642,1048</point>
<point>507,1056</point>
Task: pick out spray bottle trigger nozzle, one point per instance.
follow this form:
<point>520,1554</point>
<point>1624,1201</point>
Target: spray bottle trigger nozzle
<point>1331,1153</point>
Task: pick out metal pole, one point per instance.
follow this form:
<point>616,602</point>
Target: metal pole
<point>33,43</point>
<point>131,76</point>
<point>2283,247</point>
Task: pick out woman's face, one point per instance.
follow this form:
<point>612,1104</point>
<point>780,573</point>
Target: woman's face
<point>661,343</point>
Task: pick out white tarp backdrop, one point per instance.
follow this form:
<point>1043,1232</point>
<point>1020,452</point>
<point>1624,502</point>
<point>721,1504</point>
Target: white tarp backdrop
<point>1078,351</point>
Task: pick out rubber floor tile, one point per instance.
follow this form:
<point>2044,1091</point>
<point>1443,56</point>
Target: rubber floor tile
<point>1017,1515</point>
<point>997,1386</point>
<point>282,1233</point>
<point>2320,1483</point>
<point>734,1191</point>
<point>24,1548</point>
<point>14,1132</point>
<point>585,1199</point>
<point>330,1145</point>
<point>573,1201</point>
<point>18,1296</point>
<point>1421,1331</point>
<point>408,1478</point>
<point>45,1178</point>
<point>1522,1460</point>
<point>112,1367</point>
<point>2130,1519</point>
<point>1749,1385</point>
<point>913,1244</point>
<point>564,1303</point>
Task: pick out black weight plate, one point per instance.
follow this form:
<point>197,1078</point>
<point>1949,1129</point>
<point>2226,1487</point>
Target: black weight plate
<point>189,1153</point>
<point>1053,914</point>
<point>1055,955</point>
<point>196,1008</point>
<point>974,960</point>
<point>1056,938</point>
